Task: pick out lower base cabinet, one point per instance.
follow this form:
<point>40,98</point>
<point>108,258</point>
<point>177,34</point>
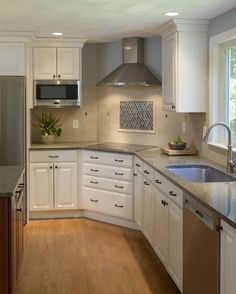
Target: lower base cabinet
<point>228,259</point>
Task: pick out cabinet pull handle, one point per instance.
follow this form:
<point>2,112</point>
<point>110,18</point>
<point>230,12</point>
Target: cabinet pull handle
<point>93,157</point>
<point>173,106</point>
<point>92,200</point>
<point>219,228</point>
<point>119,187</point>
<point>21,185</point>
<point>146,183</point>
<point>158,182</point>
<point>120,206</point>
<point>146,172</point>
<point>138,165</point>
<point>94,170</point>
<point>19,209</point>
<point>135,174</point>
<point>119,174</point>
<point>53,156</point>
<point>92,182</point>
<point>171,193</point>
<point>119,160</point>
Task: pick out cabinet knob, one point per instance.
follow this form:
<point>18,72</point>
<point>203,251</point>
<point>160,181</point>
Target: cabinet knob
<point>54,76</point>
<point>50,167</point>
<point>135,174</point>
<point>173,106</point>
<point>55,166</point>
<point>59,76</point>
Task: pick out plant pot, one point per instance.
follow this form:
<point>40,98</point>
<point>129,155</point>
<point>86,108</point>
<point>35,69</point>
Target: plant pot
<point>49,139</point>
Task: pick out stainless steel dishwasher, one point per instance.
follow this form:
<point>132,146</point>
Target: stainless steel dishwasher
<point>201,249</point>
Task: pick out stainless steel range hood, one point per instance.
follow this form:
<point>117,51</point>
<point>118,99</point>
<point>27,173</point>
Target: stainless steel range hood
<point>132,71</point>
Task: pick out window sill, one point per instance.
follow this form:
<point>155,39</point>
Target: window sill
<point>221,146</point>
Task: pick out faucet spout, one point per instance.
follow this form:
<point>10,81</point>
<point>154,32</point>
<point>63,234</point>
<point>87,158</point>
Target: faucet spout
<point>230,162</point>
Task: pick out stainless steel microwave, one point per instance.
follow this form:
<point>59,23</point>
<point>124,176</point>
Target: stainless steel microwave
<point>57,93</point>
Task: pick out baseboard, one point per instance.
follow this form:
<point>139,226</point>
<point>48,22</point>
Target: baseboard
<point>40,215</point>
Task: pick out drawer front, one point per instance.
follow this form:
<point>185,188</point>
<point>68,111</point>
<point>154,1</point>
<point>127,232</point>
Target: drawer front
<point>122,206</point>
<point>138,165</point>
<point>119,173</point>
<point>107,158</point>
<point>110,203</point>
<point>108,184</point>
<point>160,182</point>
<point>53,156</point>
<point>148,172</point>
<point>174,193</point>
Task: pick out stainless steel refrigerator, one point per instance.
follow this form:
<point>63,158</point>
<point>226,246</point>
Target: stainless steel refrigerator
<point>12,121</point>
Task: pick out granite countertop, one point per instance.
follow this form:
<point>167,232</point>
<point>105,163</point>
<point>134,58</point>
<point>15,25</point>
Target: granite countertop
<point>96,146</point>
<point>219,197</point>
<point>9,176</point>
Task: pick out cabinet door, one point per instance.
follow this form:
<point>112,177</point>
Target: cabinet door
<point>228,259</point>
<point>161,227</point>
<point>12,59</point>
<point>169,51</point>
<point>148,210</point>
<point>138,198</point>
<point>41,186</point>
<point>68,63</point>
<point>175,239</point>
<point>65,185</point>
<point>45,63</point>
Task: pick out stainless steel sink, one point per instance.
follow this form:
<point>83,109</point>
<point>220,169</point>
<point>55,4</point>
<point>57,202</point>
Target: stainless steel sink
<point>200,173</point>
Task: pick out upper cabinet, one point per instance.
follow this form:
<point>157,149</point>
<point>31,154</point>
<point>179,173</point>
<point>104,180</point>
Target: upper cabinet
<point>12,59</point>
<point>57,63</point>
<point>184,65</point>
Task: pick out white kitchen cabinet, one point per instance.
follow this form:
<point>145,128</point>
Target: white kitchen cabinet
<point>12,59</point>
<point>41,186</point>
<point>138,198</point>
<point>184,65</point>
<point>55,171</point>
<point>65,185</point>
<point>57,63</point>
<point>175,243</point>
<point>148,210</point>
<point>228,259</point>
<point>161,227</point>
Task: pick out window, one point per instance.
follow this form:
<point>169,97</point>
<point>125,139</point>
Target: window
<point>229,84</point>
<point>222,90</point>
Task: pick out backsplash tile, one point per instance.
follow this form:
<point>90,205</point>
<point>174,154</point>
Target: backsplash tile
<point>136,115</point>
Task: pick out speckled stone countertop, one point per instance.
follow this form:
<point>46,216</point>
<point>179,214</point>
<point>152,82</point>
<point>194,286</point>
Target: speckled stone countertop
<point>96,146</point>
<point>219,197</point>
<point>9,176</point>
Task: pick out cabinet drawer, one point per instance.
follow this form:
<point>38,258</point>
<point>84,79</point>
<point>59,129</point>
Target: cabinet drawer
<point>53,156</point>
<point>125,174</point>
<point>107,158</point>
<point>108,184</point>
<point>110,203</point>
<point>148,172</point>
<point>138,165</point>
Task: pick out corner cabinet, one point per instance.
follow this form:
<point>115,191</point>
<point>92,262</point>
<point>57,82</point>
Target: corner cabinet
<point>53,180</point>
<point>184,65</point>
<point>57,63</point>
<point>228,259</point>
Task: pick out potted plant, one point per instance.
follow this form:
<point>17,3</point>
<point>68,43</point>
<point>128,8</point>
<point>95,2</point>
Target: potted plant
<point>47,125</point>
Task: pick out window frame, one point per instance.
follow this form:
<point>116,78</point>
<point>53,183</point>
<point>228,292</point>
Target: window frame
<point>217,110</point>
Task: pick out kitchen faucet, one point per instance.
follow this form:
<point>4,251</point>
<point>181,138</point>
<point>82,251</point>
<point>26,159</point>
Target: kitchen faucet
<point>231,163</point>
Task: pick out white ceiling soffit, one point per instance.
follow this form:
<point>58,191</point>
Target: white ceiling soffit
<point>101,20</point>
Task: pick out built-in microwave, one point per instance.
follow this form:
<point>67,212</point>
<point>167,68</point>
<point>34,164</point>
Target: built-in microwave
<point>57,93</point>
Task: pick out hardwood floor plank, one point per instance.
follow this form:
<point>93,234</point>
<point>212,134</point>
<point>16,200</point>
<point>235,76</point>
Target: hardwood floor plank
<point>81,256</point>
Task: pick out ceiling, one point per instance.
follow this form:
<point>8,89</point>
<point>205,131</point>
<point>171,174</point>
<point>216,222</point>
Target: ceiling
<point>101,20</point>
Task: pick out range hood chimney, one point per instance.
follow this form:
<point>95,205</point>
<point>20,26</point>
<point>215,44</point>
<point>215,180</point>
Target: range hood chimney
<point>132,71</point>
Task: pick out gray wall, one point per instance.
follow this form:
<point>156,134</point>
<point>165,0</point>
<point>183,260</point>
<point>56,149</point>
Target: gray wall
<point>101,59</point>
<point>222,23</point>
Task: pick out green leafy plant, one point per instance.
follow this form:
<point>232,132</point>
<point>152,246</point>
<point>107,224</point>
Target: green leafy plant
<point>177,140</point>
<point>47,124</point>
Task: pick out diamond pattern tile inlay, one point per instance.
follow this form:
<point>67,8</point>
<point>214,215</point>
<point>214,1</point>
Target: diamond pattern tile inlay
<point>136,115</point>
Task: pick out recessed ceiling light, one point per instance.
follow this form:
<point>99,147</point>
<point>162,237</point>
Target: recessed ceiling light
<point>171,13</point>
<point>57,34</point>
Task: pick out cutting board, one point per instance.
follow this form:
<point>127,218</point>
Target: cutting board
<point>186,151</point>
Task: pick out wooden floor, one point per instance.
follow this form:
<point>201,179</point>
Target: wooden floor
<point>80,256</point>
